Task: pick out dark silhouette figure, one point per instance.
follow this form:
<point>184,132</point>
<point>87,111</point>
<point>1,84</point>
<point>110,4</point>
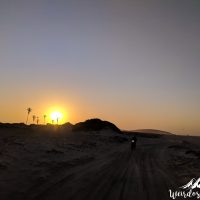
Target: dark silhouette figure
<point>133,142</point>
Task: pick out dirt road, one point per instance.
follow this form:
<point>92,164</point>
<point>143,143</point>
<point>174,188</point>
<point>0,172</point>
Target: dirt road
<point>121,174</point>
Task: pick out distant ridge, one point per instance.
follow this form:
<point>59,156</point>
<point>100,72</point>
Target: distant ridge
<point>12,125</point>
<point>152,131</point>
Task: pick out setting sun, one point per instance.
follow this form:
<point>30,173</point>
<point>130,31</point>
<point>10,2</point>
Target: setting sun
<point>56,116</point>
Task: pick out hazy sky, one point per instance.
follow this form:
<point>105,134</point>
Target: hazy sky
<point>132,62</point>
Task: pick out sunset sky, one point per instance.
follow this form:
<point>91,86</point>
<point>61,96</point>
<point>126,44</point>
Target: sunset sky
<point>132,62</point>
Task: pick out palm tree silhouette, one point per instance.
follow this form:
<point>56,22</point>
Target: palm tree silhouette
<point>45,116</point>
<point>28,112</point>
<point>34,117</point>
<point>37,120</point>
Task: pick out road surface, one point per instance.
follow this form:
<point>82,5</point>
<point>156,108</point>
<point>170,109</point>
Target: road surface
<point>121,174</point>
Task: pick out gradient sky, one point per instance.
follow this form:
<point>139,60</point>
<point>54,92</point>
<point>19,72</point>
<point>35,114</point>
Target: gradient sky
<point>132,62</point>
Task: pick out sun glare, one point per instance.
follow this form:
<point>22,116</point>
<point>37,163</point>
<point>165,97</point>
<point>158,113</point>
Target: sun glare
<point>56,116</point>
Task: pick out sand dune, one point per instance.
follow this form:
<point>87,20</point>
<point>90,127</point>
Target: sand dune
<point>45,163</point>
<point>152,131</point>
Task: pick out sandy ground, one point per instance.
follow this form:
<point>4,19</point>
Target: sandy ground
<point>60,165</point>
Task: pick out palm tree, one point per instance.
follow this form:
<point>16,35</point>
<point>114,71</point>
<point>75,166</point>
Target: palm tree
<point>45,116</point>
<point>28,112</point>
<point>57,120</point>
<point>37,120</point>
<point>34,117</point>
